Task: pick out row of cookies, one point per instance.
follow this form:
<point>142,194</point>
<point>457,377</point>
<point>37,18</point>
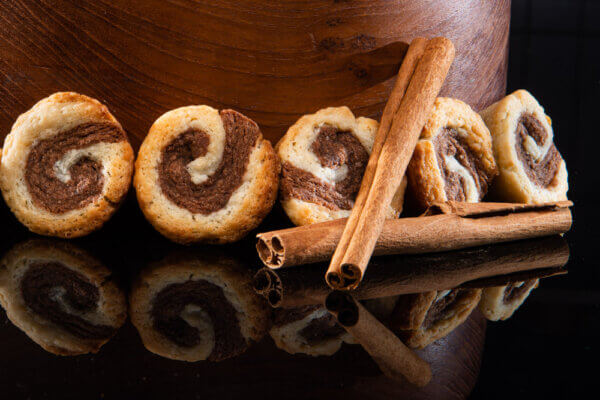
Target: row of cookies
<point>208,175</point>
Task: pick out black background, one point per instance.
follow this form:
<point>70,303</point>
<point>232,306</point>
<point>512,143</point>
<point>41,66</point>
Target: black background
<point>548,348</point>
<point>545,350</point>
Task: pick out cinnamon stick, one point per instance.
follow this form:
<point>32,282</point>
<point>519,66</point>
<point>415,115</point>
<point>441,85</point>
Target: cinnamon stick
<point>391,355</point>
<point>366,220</point>
<point>404,274</point>
<point>407,69</point>
<point>448,226</point>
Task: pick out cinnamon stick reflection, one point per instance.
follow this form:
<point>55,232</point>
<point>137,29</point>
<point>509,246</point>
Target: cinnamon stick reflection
<point>393,357</point>
<point>404,274</point>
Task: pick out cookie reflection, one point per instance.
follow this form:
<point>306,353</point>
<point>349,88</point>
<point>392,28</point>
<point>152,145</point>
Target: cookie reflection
<point>422,318</point>
<point>60,296</point>
<point>308,330</point>
<point>197,306</point>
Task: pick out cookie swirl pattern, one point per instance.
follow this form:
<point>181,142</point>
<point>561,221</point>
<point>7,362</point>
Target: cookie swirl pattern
<point>453,160</point>
<point>205,175</point>
<point>324,156</point>
<point>66,166</point>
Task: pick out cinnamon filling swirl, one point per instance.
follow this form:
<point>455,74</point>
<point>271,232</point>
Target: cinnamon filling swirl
<point>170,302</point>
<point>461,168</point>
<point>334,149</point>
<point>440,305</point>
<point>317,330</point>
<point>59,294</point>
<point>211,195</point>
<point>516,290</point>
<point>540,171</point>
<point>83,180</point>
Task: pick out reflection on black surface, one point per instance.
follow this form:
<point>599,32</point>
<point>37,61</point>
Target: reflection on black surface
<point>165,302</point>
<point>61,297</point>
<point>197,305</point>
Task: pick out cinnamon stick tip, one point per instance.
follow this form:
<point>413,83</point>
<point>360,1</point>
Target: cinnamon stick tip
<point>261,282</point>
<point>270,251</point>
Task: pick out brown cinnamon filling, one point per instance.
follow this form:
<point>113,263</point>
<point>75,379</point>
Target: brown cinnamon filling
<point>241,134</point>
<point>512,291</point>
<point>439,307</point>
<point>320,329</point>
<point>317,330</point>
<point>170,302</point>
<point>87,181</point>
<point>46,283</point>
<point>449,143</point>
<point>541,173</point>
<point>334,149</point>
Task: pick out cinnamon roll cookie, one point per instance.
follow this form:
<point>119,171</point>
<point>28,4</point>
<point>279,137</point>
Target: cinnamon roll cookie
<point>324,156</point>
<point>531,168</point>
<point>308,330</point>
<point>66,166</point>
<point>205,175</point>
<point>453,159</point>
<point>194,308</point>
<point>421,319</point>
<point>500,302</point>
<point>61,297</point>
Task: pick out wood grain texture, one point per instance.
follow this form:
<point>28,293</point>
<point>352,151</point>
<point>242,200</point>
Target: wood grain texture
<point>271,60</point>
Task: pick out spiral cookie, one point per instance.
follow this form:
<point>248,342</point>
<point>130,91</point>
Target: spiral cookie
<point>324,156</point>
<point>531,168</point>
<point>66,166</point>
<point>194,308</point>
<point>453,159</point>
<point>205,175</point>
<point>500,302</point>
<point>424,318</point>
<point>309,330</point>
<point>62,298</point>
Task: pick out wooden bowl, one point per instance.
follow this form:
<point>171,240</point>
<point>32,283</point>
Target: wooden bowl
<point>271,60</point>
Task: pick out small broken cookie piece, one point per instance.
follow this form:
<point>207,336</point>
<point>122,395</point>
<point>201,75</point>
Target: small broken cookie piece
<point>204,175</point>
<point>61,297</point>
<point>501,302</point>
<point>531,168</point>
<point>324,156</point>
<point>423,318</point>
<point>66,166</point>
<point>308,330</point>
<point>197,307</point>
<point>453,159</point>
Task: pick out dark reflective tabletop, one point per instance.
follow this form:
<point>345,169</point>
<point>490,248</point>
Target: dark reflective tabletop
<point>556,325</point>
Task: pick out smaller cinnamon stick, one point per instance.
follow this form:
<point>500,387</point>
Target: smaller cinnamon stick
<point>394,358</point>
<point>404,274</point>
<point>446,226</point>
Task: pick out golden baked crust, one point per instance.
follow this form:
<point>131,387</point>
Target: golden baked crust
<point>234,279</point>
<point>49,117</point>
<point>493,305</point>
<point>414,308</point>
<point>426,181</point>
<point>295,148</point>
<point>513,183</point>
<point>111,307</point>
<point>246,208</point>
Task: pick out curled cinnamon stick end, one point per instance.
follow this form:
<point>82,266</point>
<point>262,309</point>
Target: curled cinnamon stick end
<point>267,283</point>
<point>395,360</point>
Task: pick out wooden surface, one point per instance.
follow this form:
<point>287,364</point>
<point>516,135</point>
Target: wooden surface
<point>271,60</point>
